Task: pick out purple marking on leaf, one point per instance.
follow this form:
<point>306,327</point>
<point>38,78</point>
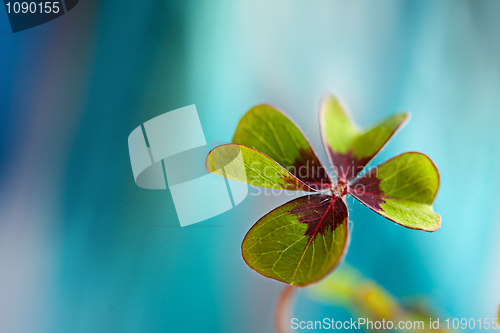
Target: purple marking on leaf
<point>346,166</point>
<point>367,190</point>
<point>320,186</point>
<point>321,212</point>
<point>309,169</point>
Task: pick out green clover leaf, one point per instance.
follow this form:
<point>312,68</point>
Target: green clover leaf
<point>271,132</point>
<point>402,190</point>
<point>349,150</point>
<point>301,241</point>
<point>247,165</point>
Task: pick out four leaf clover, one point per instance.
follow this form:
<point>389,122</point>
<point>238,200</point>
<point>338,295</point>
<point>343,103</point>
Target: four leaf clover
<point>303,240</point>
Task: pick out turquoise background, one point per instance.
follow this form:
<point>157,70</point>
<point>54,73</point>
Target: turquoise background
<point>83,249</point>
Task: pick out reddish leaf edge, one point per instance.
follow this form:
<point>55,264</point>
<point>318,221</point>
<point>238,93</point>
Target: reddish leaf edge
<point>349,152</point>
<point>228,144</point>
<point>439,184</point>
<point>296,125</point>
<point>387,218</point>
<point>335,265</point>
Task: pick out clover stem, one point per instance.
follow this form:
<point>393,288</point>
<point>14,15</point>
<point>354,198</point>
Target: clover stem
<point>284,309</point>
<point>340,189</point>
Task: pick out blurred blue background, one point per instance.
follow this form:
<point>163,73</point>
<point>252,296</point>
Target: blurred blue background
<point>83,249</point>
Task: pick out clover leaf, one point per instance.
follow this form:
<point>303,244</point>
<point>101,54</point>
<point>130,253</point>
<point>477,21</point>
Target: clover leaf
<point>303,240</point>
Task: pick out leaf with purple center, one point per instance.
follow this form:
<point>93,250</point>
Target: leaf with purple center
<point>301,241</point>
<point>402,190</point>
<point>271,132</point>
<point>247,165</point>
<point>348,148</point>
